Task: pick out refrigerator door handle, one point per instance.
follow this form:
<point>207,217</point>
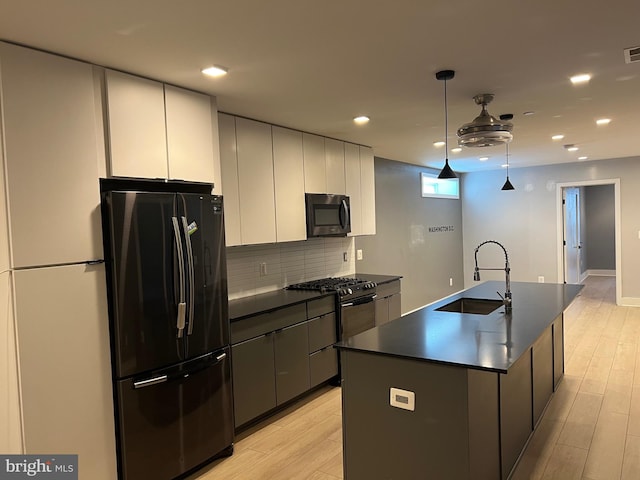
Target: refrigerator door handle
<point>221,357</point>
<point>182,306</point>
<point>191,277</point>
<point>150,381</point>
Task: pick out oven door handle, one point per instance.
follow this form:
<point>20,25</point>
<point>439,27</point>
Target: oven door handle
<point>360,301</point>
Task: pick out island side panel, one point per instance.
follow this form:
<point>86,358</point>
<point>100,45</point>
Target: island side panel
<point>516,412</point>
<point>484,425</point>
<point>385,442</point>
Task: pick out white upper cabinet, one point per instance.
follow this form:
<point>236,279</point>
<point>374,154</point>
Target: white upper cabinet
<point>334,156</point>
<point>368,191</point>
<point>161,131</point>
<point>5,260</point>
<point>51,156</point>
<point>229,164</point>
<point>315,172</point>
<point>137,130</point>
<point>353,180</point>
<point>255,182</point>
<point>288,172</point>
<point>190,142</point>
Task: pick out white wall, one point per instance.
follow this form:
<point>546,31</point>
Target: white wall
<point>286,263</point>
<point>524,220</point>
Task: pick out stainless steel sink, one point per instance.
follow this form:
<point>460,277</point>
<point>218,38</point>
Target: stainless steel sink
<point>476,306</point>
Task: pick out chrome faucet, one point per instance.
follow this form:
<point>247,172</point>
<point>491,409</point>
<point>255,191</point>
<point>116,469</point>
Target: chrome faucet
<point>506,300</point>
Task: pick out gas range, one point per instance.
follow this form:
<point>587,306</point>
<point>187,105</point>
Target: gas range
<point>347,288</point>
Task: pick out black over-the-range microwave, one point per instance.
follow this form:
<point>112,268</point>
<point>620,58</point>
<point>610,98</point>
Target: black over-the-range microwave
<point>328,215</point>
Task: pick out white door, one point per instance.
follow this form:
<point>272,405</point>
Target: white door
<point>572,244</point>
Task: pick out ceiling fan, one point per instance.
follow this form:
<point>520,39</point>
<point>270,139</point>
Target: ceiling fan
<point>485,130</point>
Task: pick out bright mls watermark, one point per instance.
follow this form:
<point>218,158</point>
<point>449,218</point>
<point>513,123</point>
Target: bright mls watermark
<point>49,467</point>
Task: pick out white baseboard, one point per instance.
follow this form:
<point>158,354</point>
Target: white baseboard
<point>630,302</point>
<point>600,273</point>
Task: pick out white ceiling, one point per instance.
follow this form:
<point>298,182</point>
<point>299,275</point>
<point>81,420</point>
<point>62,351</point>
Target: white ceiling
<point>314,65</point>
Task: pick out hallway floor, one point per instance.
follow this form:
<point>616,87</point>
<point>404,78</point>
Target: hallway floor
<point>590,430</point>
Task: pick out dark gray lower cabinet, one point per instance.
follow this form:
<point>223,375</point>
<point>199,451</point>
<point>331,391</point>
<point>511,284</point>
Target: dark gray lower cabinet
<point>387,305</point>
<point>558,350</point>
<point>279,355</point>
<point>515,411</point>
<point>254,388</point>
<point>292,362</point>
<point>323,365</point>
<point>542,358</point>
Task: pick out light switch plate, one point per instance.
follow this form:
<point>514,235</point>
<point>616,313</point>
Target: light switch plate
<point>404,399</point>
<point>359,254</point>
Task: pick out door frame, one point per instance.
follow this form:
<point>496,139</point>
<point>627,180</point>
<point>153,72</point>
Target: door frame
<point>560,227</point>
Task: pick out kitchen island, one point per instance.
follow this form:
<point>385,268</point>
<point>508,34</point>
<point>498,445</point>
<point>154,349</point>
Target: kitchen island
<point>448,395</point>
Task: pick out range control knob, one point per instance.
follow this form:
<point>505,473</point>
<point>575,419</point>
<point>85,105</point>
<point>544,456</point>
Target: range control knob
<point>349,291</point>
<point>369,285</point>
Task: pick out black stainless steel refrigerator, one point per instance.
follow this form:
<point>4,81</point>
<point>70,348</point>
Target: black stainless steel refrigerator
<point>169,325</point>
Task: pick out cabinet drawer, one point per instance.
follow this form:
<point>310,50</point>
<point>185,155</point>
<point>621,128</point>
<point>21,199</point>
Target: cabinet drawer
<point>321,306</point>
<point>323,365</point>
<point>257,325</point>
<point>322,332</point>
<point>387,289</point>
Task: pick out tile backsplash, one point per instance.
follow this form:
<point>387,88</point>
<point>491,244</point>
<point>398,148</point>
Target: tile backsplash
<point>255,269</point>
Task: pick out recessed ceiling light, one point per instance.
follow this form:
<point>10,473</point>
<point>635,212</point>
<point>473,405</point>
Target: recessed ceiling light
<point>603,121</point>
<point>438,144</point>
<point>557,137</point>
<point>580,78</point>
<point>456,150</point>
<point>483,159</point>
<point>582,158</point>
<point>215,71</point>
<point>361,120</point>
<point>571,147</point>
<point>528,113</point>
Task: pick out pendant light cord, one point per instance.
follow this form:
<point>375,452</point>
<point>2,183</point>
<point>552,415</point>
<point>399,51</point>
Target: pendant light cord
<point>507,159</point>
<point>446,123</point>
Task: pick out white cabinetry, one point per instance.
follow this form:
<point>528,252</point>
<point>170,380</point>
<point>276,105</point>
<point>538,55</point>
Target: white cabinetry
<point>10,433</point>
<point>353,186</point>
<point>191,135</point>
<point>263,179</point>
<point>334,156</point>
<point>255,182</point>
<point>315,172</point>
<point>289,185</point>
<point>137,131</point>
<point>160,131</point>
<point>51,155</point>
<point>368,191</point>
<point>229,165</point>
<point>67,407</point>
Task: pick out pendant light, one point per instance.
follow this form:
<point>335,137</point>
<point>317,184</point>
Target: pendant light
<point>446,171</point>
<point>507,185</point>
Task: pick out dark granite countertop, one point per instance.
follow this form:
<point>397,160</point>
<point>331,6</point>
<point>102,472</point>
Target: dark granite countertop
<point>372,277</point>
<point>266,302</point>
<point>488,342</point>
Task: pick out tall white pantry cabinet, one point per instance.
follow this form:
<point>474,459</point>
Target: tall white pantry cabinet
<point>55,368</point>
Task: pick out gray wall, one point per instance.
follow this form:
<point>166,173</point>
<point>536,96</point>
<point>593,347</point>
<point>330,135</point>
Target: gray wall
<point>403,244</point>
<point>600,227</point>
<point>525,219</point>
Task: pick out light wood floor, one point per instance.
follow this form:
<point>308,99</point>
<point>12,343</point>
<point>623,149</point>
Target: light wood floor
<point>590,431</point>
